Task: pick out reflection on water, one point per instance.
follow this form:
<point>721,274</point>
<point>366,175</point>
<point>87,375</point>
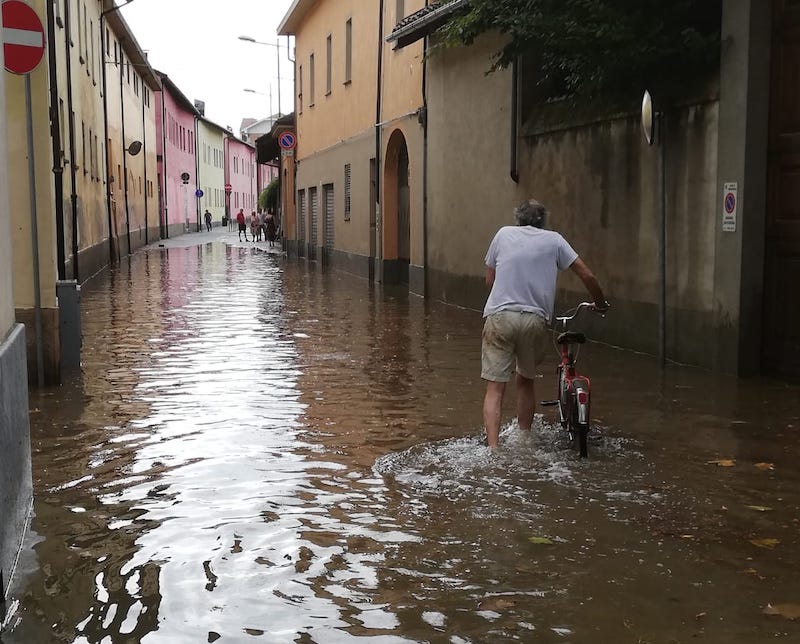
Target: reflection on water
<point>259,452</point>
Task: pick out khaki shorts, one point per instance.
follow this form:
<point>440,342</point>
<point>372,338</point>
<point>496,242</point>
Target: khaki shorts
<point>510,336</point>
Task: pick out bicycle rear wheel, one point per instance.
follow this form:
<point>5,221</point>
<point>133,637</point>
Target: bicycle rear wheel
<point>580,418</point>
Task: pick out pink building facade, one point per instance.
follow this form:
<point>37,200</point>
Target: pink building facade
<point>240,175</point>
<point>175,123</point>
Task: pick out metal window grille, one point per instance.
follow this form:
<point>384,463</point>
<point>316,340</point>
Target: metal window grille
<point>312,206</point>
<point>301,220</point>
<point>347,172</point>
<point>330,220</point>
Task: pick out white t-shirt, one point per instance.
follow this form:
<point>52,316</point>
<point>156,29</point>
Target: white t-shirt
<point>526,262</point>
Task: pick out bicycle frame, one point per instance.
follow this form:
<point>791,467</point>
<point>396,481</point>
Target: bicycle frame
<point>574,388</point>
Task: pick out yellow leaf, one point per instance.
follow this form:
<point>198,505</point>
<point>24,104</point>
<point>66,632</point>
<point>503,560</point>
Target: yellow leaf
<point>541,541</point>
<point>789,611</point>
<point>765,543</point>
<point>759,508</point>
<point>722,462</point>
<point>765,466</point>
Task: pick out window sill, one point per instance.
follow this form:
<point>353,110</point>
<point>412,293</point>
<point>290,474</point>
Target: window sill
<point>348,82</point>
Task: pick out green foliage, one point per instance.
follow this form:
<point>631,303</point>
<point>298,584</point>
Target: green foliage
<point>584,47</point>
<point>268,199</point>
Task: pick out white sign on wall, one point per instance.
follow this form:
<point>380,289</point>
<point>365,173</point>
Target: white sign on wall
<point>730,204</point>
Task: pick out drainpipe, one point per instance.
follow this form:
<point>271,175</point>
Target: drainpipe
<point>124,147</point>
<point>55,135</point>
<point>164,194</point>
<point>424,119</point>
<point>71,122</point>
<point>104,80</point>
<point>514,119</point>
<point>144,160</point>
<point>378,164</point>
<point>198,200</point>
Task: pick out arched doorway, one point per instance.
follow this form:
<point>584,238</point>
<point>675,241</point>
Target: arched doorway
<point>396,211</point>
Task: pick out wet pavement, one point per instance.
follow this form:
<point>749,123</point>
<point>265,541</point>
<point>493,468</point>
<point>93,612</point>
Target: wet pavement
<point>257,451</point>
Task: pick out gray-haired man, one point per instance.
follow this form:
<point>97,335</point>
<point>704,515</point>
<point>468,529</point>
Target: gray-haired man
<point>522,266</point>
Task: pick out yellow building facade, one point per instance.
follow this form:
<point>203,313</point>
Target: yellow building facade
<point>211,167</point>
<point>94,159</point>
<point>360,139</point>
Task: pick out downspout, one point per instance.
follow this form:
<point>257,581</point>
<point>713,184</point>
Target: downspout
<point>164,194</point>
<point>424,120</point>
<point>514,120</point>
<point>104,80</point>
<point>144,158</point>
<point>378,164</point>
<point>124,146</point>
<point>198,200</point>
<point>55,135</point>
<point>71,118</point>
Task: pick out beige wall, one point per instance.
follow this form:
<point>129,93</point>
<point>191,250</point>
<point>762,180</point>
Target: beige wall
<point>6,287</point>
<point>19,195</point>
<point>349,109</point>
<point>402,68</point>
<point>598,179</point>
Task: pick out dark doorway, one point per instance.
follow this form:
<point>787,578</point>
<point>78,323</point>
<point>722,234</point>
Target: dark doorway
<point>782,265</point>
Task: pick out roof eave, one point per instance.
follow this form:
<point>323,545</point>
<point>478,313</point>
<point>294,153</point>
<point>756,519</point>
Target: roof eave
<point>425,26</point>
<point>294,17</point>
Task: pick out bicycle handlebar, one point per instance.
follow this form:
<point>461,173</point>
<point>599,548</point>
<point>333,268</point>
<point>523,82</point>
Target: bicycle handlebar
<point>583,305</point>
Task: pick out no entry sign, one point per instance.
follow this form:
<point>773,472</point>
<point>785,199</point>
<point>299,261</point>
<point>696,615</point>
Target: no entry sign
<point>23,37</point>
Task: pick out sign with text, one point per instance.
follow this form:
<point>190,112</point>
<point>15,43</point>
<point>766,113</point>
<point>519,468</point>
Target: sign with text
<point>730,205</point>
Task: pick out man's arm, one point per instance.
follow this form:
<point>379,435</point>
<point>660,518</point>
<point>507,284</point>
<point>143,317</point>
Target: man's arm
<point>490,273</point>
<point>590,282</point>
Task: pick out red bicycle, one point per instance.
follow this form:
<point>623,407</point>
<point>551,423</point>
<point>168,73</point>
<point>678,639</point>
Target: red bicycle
<point>574,389</point>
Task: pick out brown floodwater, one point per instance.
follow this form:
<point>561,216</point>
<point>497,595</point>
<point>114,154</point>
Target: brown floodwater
<point>256,451</point>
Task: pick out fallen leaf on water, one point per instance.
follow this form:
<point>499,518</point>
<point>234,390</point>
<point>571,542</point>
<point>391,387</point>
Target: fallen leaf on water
<point>496,604</point>
<point>789,611</point>
<point>722,462</point>
<point>765,543</point>
<point>541,541</point>
<point>759,508</point>
<point>687,536</point>
<point>765,466</point>
<point>700,615</point>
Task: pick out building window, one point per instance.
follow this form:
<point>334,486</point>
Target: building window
<point>83,141</point>
<point>348,51</point>
<point>347,192</point>
<point>311,81</point>
<point>328,64</point>
<point>400,10</point>
<point>57,9</point>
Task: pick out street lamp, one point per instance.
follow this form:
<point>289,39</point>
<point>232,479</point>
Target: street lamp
<point>252,91</point>
<point>278,52</point>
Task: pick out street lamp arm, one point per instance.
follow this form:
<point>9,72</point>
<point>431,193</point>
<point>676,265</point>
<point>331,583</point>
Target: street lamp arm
<point>115,8</point>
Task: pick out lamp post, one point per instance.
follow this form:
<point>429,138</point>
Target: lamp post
<point>278,52</point>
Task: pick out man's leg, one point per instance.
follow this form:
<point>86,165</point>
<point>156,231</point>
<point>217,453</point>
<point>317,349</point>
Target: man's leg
<point>526,402</point>
<point>492,408</point>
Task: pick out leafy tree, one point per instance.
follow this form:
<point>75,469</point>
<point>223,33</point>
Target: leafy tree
<point>268,199</point>
<point>584,47</point>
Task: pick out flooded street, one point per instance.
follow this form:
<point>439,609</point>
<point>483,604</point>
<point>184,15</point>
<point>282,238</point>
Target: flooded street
<point>259,452</point>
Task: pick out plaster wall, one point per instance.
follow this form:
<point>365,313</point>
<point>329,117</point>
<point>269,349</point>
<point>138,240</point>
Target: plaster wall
<point>15,454</point>
<point>327,167</point>
<point>402,68</point>
<point>599,181</point>
<point>211,161</point>
<point>349,109</point>
<point>179,158</point>
<point>240,162</point>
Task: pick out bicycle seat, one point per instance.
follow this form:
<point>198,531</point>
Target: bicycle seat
<point>571,337</point>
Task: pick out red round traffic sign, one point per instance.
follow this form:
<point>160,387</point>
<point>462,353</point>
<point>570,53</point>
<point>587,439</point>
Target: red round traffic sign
<point>23,37</point>
<point>287,141</point>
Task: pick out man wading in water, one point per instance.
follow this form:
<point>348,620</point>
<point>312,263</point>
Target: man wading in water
<point>522,267</point>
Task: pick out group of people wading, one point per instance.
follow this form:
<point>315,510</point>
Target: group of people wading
<point>260,223</point>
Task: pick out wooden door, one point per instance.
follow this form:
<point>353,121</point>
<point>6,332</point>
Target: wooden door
<point>782,264</point>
